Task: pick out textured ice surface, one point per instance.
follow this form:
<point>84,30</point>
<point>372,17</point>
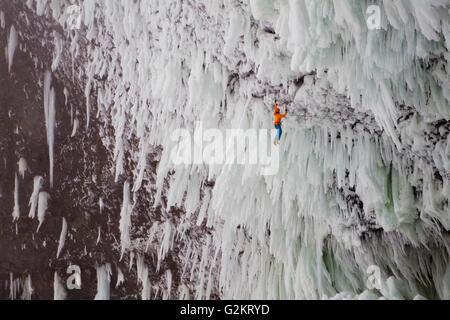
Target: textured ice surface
<point>365,157</point>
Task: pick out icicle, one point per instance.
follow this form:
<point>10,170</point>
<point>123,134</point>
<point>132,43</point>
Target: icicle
<point>120,278</point>
<point>75,128</point>
<point>103,282</point>
<point>131,260</point>
<point>42,208</point>
<point>49,109</point>
<point>142,272</point>
<point>165,243</point>
<point>167,293</point>
<point>34,196</point>
<point>146,287</point>
<point>22,167</point>
<point>101,205</point>
<point>62,237</point>
<point>125,219</point>
<point>66,96</point>
<point>99,234</point>
<point>2,20</point>
<point>59,292</point>
<point>87,94</point>
<point>12,287</point>
<point>59,46</point>
<point>12,45</point>
<point>16,210</point>
<point>27,289</point>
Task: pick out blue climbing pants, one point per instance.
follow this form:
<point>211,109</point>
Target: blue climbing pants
<point>280,132</point>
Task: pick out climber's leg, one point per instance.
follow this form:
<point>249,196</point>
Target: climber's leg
<point>279,132</point>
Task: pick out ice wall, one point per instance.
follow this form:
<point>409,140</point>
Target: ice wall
<point>364,165</point>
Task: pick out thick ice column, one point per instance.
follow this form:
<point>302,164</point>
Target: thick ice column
<point>59,292</point>
<point>103,282</point>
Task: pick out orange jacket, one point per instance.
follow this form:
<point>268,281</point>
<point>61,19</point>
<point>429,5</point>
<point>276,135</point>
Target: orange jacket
<point>278,116</point>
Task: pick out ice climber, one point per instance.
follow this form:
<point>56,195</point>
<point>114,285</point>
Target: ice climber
<point>278,118</point>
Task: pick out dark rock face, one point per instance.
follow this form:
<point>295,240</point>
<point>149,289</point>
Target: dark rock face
<point>81,171</point>
<point>23,135</point>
